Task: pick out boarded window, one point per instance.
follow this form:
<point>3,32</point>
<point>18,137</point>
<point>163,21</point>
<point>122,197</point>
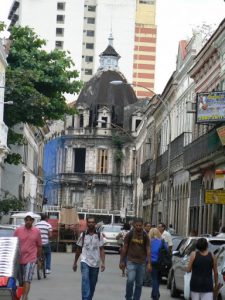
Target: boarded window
<point>102,163</point>
<point>80,157</point>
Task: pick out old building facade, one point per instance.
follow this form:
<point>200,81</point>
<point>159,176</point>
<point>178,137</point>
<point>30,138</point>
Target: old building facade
<point>95,158</point>
<point>175,182</point>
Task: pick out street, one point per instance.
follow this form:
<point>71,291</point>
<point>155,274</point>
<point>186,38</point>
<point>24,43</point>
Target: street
<point>64,284</point>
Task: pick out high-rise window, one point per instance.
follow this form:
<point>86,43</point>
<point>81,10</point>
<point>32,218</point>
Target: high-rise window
<point>89,59</point>
<point>88,71</point>
<point>102,163</point>
<point>90,33</point>
<point>60,18</point>
<point>59,44</point>
<point>59,31</point>
<point>91,8</point>
<point>147,2</point>
<point>89,46</point>
<point>91,20</point>
<point>61,5</point>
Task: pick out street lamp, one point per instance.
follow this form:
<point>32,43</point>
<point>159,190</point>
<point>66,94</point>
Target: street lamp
<point>166,106</point>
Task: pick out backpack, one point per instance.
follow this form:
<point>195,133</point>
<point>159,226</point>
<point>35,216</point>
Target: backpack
<point>85,232</point>
<point>164,259</point>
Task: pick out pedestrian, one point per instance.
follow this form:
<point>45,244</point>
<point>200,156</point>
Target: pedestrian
<point>171,229</point>
<point>201,264</point>
<point>30,250</point>
<point>90,247</point>
<point>147,227</point>
<point>156,244</point>
<point>166,236</point>
<point>222,232</point>
<point>147,276</point>
<point>136,248</point>
<point>46,233</point>
<point>120,238</point>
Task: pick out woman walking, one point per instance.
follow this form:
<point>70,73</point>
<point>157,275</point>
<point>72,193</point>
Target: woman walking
<point>156,243</point>
<point>201,264</point>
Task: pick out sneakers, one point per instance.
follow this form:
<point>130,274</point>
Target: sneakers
<point>48,271</point>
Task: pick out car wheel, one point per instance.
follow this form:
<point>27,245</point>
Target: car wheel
<point>173,290</point>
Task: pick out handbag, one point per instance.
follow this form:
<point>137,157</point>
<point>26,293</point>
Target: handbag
<point>187,280</point>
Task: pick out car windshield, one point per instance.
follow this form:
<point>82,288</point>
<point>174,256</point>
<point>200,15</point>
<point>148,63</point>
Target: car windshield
<point>6,232</point>
<point>111,229</point>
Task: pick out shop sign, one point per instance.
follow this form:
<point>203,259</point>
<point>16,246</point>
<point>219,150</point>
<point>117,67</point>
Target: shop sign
<point>210,107</point>
<point>221,134</point>
<point>215,196</point>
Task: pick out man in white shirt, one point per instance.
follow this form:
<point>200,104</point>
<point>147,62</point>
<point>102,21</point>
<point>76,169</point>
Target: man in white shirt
<point>46,232</point>
<point>165,235</point>
<point>90,247</point>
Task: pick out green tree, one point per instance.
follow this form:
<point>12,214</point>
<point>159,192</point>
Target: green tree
<point>10,203</point>
<point>36,82</point>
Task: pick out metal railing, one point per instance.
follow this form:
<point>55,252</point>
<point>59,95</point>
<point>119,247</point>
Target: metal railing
<point>202,148</point>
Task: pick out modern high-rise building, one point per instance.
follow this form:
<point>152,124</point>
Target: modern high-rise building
<point>82,27</point>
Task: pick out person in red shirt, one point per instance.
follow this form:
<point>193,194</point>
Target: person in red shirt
<point>30,249</point>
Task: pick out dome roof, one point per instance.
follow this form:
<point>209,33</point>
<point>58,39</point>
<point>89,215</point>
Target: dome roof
<point>98,92</point>
<point>109,51</point>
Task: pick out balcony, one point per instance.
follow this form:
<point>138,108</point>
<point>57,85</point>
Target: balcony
<point>202,148</point>
<point>92,179</point>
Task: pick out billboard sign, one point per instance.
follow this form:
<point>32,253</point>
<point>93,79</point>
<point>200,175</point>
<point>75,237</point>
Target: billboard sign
<point>210,107</point>
<point>215,196</point>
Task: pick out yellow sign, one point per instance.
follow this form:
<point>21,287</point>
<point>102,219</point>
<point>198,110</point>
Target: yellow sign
<point>221,134</point>
<point>215,196</point>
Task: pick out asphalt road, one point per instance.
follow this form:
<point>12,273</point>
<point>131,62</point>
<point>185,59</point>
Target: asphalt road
<point>64,284</point>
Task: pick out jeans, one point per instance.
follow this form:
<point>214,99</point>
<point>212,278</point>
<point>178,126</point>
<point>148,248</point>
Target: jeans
<point>135,274</point>
<point>47,251</point>
<point>147,277</point>
<point>155,282</point>
<point>89,280</point>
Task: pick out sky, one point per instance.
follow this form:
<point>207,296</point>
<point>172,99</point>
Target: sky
<point>175,20</point>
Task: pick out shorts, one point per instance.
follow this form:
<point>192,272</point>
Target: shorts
<point>27,271</point>
<point>201,296</point>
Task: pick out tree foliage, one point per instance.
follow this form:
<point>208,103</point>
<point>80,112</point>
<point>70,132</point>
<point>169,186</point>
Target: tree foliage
<point>10,203</point>
<point>36,81</point>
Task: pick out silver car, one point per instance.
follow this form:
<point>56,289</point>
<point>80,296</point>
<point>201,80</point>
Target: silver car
<point>181,259</point>
<point>110,233</point>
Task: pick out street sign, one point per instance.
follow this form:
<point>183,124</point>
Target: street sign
<point>215,196</point>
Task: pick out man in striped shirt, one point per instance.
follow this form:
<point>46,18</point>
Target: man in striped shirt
<point>46,232</point>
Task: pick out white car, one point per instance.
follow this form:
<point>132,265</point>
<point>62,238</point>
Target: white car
<point>109,233</point>
<point>220,255</point>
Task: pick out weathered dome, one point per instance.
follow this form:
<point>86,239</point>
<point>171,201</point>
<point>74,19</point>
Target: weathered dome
<point>98,92</point>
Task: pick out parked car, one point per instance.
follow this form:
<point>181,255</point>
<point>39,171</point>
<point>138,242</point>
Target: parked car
<point>6,230</point>
<point>180,261</point>
<point>176,239</point>
<point>220,256</point>
<point>109,233</point>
